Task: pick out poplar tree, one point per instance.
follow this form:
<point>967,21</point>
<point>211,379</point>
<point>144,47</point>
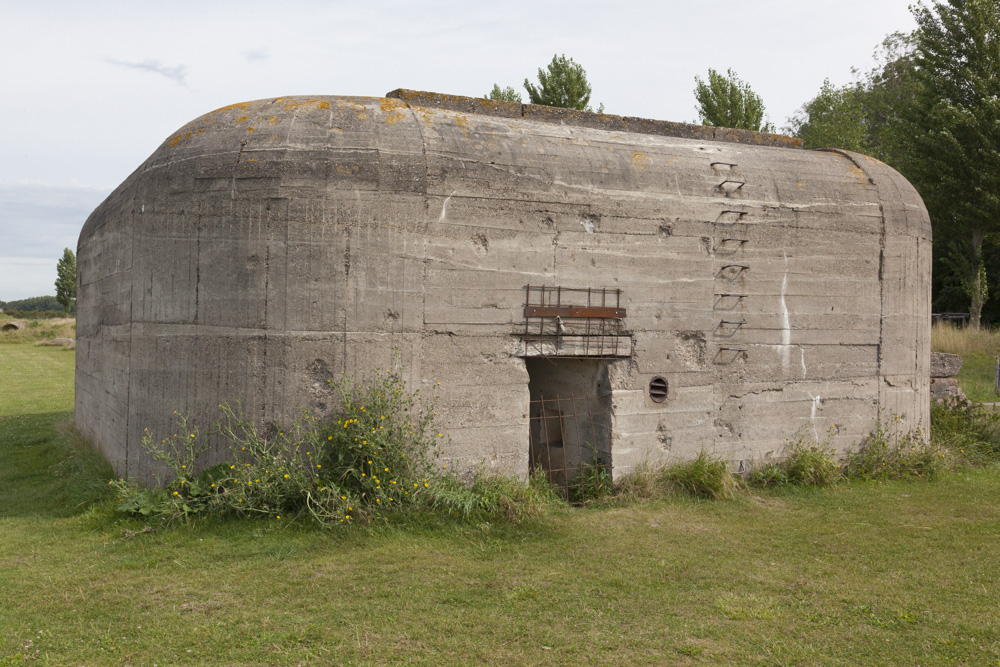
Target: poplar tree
<point>66,280</point>
<point>727,101</point>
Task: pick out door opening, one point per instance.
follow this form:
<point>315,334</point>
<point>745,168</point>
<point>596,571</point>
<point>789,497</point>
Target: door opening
<point>570,434</point>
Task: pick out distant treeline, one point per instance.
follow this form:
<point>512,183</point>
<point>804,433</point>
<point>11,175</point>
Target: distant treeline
<point>34,307</point>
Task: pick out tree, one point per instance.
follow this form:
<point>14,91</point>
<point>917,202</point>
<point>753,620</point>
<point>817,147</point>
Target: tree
<point>507,94</point>
<point>66,280</point>
<point>563,83</point>
<point>726,101</point>
<point>835,118</point>
<point>863,116</point>
<point>953,131</point>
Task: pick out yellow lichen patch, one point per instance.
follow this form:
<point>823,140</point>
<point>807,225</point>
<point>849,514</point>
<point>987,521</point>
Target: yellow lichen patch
<point>463,122</point>
<point>178,139</point>
<point>238,105</point>
<point>639,161</point>
<point>274,137</point>
<point>242,119</point>
<point>347,170</point>
<point>253,159</point>
<point>362,116</point>
<point>800,185</point>
<point>348,104</point>
<point>337,129</point>
<point>394,118</point>
<point>272,120</point>
<point>200,131</point>
<point>250,129</point>
<point>308,105</point>
<point>391,104</point>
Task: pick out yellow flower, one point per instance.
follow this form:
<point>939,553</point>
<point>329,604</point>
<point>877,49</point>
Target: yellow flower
<point>318,465</point>
<point>286,475</point>
<point>184,466</point>
<point>330,437</point>
<point>192,435</point>
<point>378,500</point>
<point>213,485</point>
<point>279,516</point>
<point>175,493</point>
<point>231,467</point>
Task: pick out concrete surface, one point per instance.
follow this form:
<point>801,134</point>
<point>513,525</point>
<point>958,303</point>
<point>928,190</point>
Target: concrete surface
<point>268,245</point>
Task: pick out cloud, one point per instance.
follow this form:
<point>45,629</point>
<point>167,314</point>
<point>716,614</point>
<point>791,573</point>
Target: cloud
<point>257,55</point>
<point>175,74</point>
<point>36,223</point>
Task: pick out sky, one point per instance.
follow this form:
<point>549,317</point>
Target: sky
<point>91,89</point>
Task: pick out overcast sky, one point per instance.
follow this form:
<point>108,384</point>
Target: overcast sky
<point>91,88</point>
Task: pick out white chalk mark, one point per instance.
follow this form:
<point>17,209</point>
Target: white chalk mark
<point>802,360</point>
<point>786,326</point>
<point>444,208</point>
<point>588,225</point>
<point>816,400</point>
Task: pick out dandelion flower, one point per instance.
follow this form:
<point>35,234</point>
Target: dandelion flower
<point>286,475</point>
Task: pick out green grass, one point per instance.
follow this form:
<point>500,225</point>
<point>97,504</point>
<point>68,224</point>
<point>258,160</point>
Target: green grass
<point>978,350</point>
<point>890,573</point>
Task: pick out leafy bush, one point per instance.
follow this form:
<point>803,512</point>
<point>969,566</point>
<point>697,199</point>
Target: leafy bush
<point>374,457</point>
<point>704,476</point>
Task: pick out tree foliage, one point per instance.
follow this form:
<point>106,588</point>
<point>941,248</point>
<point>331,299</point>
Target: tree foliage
<point>507,94</point>
<point>954,127</point>
<point>562,83</point>
<point>727,101</point>
<point>66,280</point>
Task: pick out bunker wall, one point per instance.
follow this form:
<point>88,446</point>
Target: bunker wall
<point>269,246</point>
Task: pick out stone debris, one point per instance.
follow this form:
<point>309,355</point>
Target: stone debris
<point>944,385</point>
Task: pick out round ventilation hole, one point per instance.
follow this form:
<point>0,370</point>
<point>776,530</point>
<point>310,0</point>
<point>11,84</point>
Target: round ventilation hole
<point>658,389</point>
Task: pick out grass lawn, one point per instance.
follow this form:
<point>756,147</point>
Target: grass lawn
<point>893,573</point>
<point>978,350</point>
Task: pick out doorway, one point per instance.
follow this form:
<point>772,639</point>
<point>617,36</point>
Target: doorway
<point>570,425</point>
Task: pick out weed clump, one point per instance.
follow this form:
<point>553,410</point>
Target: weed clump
<point>888,453</point>
<point>804,463</point>
<point>703,476</point>
<point>376,456</point>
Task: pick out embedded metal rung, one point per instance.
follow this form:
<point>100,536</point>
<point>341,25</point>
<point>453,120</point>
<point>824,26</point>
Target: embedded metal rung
<point>737,323</point>
<point>728,164</point>
<point>741,267</point>
<point>732,349</point>
<point>735,296</point>
<point>730,181</point>
<point>736,240</point>
<point>738,214</point>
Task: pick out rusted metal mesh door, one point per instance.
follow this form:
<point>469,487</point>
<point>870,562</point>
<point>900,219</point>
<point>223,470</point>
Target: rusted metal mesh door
<point>571,444</point>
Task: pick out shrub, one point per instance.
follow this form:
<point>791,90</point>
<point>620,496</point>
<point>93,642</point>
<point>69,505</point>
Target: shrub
<point>374,457</point>
<point>704,476</point>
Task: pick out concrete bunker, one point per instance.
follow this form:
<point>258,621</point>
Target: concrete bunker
<point>705,288</point>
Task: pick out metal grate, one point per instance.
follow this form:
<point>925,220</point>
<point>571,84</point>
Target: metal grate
<point>571,444</point>
<point>658,389</point>
<point>575,323</point>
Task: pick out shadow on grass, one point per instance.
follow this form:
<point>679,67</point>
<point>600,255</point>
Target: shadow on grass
<point>48,469</point>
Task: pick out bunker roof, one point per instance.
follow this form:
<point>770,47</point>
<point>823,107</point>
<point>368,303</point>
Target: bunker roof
<point>599,121</point>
